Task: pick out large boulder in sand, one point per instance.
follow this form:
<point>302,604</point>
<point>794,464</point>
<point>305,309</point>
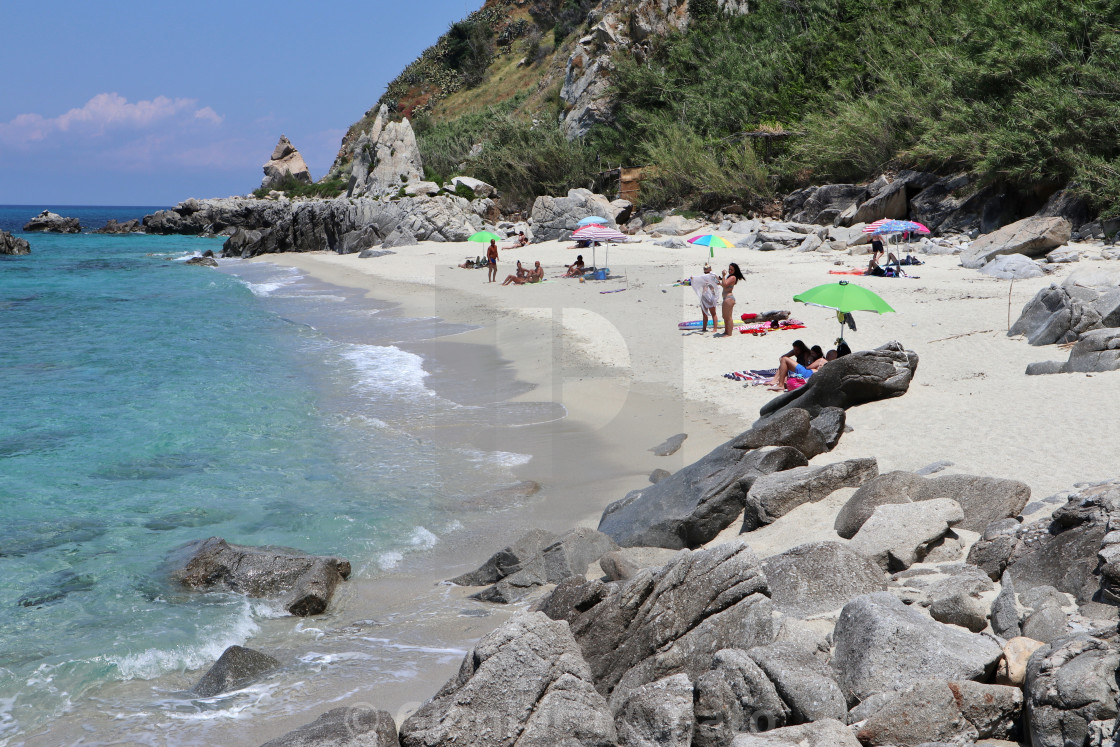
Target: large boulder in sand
<point>695,504</point>
<point>523,684</point>
<point>657,715</point>
<point>1097,350</point>
<point>347,726</point>
<point>566,556</point>
<point>899,535</point>
<point>48,222</point>
<point>557,217</point>
<point>820,577</point>
<point>13,245</point>
<point>775,495</point>
<point>882,646</point>
<point>667,621</point>
<point>983,499</point>
<point>235,668</point>
<point>1058,314</point>
<point>1032,237</point>
<point>1071,692</point>
<point>285,162</point>
<point>735,696</point>
<point>305,582</point>
<point>508,560</point>
<point>1012,267</point>
<point>855,379</point>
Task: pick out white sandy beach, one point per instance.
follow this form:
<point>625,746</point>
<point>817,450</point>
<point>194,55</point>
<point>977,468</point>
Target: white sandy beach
<point>971,402</point>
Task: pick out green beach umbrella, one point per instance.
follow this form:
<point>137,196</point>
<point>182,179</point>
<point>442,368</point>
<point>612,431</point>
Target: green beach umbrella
<point>843,298</point>
<point>711,241</point>
<point>484,237</point>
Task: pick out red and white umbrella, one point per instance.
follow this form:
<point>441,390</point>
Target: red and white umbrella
<point>596,234</point>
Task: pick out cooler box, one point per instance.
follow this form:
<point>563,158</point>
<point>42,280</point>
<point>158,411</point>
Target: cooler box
<point>601,274</point>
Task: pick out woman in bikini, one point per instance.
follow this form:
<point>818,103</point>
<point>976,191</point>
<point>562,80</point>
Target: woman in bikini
<point>733,276</point>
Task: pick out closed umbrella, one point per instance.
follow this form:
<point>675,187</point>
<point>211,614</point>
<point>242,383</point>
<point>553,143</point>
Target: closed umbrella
<point>843,298</point>
<point>595,234</point>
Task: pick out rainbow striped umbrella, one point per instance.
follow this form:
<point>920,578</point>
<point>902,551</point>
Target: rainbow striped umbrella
<point>711,241</point>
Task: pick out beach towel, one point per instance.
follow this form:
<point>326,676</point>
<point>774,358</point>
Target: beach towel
<point>763,328</point>
<point>847,272</point>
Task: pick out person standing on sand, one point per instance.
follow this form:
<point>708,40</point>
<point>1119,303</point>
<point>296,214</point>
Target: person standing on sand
<point>728,281</point>
<point>876,250</point>
<point>492,261</point>
<point>705,286</point>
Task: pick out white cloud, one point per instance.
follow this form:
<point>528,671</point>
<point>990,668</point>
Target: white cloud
<point>103,113</point>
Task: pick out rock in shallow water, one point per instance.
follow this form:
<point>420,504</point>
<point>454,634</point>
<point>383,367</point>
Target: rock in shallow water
<point>235,668</point>
<point>348,726</point>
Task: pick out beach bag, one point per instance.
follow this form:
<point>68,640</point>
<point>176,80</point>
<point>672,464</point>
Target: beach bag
<point>794,382</point>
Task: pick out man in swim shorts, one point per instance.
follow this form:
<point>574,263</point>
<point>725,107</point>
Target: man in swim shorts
<point>492,261</point>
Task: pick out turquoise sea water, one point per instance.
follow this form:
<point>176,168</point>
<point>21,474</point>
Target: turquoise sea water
<point>144,404</point>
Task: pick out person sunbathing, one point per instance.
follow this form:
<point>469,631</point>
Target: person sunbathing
<point>575,269</point>
<point>873,267</point>
<point>789,366</point>
<point>519,241</point>
<point>534,275</point>
<point>537,273</point>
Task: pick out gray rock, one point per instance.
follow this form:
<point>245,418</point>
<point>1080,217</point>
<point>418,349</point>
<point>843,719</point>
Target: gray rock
<point>926,712</point>
<point>285,162</point>
<point>374,253</point>
<point>826,733</point>
<point>623,564</point>
<point>556,217</point>
<point>790,427</point>
<point>1069,685</point>
<point>235,668</point>
<point>567,556</point>
<point>348,726</point>
<point>824,204</point>
<point>508,560</point>
<point>305,581</point>
<point>697,502</point>
<point>735,696</point>
<point>775,495</point>
<point>658,475</point>
<point>830,423</point>
<point>1005,612</point>
<point>1049,554</point>
<point>48,222</point>
<point>1047,623</point>
<point>983,499</point>
<point>959,600</point>
<point>384,158</point>
<point>670,445</point>
<point>1012,267</point>
<point>995,710</point>
<point>1065,204</point>
<point>1097,350</point>
<point>657,715</point>
<point>479,187</point>
<point>1043,596</point>
<point>1063,255</point>
<point>1033,237</point>
<point>892,487</point>
<point>883,645</point>
<point>803,681</point>
<point>114,227</point>
<point>525,684</point>
<point>670,620</point>
<point>855,379</point>
<point>899,535</point>
<point>1058,314</point>
<point>991,552</point>
<point>820,577</point>
<point>12,245</point>
<point>933,468</point>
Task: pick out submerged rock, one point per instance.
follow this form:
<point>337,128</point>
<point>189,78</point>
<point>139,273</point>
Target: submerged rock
<point>348,726</point>
<point>235,668</point>
<point>305,582</point>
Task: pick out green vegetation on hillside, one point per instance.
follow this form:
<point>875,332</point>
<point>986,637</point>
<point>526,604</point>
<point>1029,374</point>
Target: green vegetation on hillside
<point>292,187</point>
<point>1024,92</point>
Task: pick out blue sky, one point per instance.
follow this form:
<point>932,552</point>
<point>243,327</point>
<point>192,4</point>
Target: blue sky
<point>148,103</point>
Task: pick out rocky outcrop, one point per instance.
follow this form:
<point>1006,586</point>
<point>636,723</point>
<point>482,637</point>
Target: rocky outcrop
<point>667,621</point>
<point>1087,300</point>
<point>508,560</point>
<point>1031,237</point>
<point>1098,350</point>
<point>523,684</point>
<point>385,158</point>
<point>855,379</point>
<point>304,582</point>
<point>882,646</point>
<point>564,557</point>
<point>825,733</point>
<point>129,226</point>
<point>945,712</point>
<point>556,217</point>
<point>658,714</point>
<point>820,577</point>
<point>235,668</point>
<point>803,681</point>
<point>339,225</point>
<point>698,502</point>
<point>48,222</point>
<point>983,499</point>
<point>734,696</point>
<point>13,245</point>
<point>286,162</point>
<point>348,726</point>
<point>900,534</point>
<point>775,495</point>
<point>586,90</point>
<point>823,205</point>
<point>1071,692</point>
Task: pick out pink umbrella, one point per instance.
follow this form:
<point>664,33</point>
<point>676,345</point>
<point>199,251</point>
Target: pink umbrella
<point>596,234</point>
